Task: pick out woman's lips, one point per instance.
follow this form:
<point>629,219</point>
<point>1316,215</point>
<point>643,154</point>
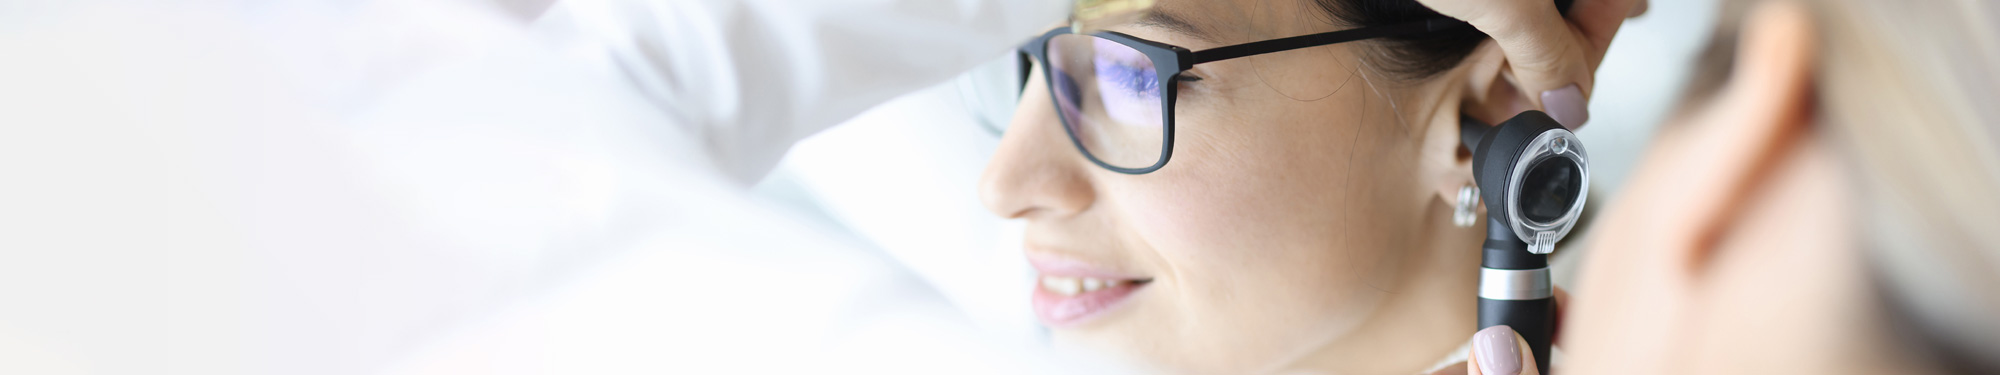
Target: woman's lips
<point>1070,292</point>
<point>1070,301</point>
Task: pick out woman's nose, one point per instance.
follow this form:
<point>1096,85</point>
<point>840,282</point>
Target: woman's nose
<point>1036,172</point>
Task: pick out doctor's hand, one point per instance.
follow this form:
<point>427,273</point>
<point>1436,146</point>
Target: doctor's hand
<point>1553,59</point>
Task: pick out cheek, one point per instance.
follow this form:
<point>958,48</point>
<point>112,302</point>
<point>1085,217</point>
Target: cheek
<point>1281,184</point>
<point>1247,192</point>
<point>1257,271</point>
<point>1264,223</point>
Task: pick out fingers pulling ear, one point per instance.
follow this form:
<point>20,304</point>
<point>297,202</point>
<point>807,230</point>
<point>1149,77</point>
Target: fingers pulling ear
<point>1491,93</point>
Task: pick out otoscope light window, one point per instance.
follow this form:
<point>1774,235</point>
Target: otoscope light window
<point>1551,186</point>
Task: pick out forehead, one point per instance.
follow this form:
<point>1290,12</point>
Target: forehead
<point>1171,20</point>
<point>1233,21</point>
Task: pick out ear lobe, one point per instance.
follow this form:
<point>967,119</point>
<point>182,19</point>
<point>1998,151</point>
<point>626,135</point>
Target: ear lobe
<point>1762,110</point>
<point>1457,176</point>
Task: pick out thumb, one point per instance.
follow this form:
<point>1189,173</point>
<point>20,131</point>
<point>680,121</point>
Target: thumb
<point>1498,350</point>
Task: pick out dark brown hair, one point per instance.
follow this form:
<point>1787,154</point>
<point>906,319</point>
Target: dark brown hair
<point>1409,58</point>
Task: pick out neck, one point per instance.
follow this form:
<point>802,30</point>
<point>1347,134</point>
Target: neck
<point>1427,314</point>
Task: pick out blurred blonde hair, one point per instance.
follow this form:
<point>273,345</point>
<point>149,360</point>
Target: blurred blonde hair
<point>1909,92</point>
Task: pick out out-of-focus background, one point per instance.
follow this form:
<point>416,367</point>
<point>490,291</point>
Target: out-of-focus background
<point>903,175</point>
<point>412,255</point>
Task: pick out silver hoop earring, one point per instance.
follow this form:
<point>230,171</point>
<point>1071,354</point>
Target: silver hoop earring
<point>1468,204</point>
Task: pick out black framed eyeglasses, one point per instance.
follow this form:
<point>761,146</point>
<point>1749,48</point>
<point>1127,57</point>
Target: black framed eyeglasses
<point>1115,92</point>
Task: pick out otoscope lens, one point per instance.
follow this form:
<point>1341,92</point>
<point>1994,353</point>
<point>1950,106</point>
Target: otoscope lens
<point>1550,187</point>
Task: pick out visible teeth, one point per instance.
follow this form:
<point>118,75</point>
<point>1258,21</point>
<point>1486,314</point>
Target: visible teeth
<point>1067,286</point>
<point>1070,286</point>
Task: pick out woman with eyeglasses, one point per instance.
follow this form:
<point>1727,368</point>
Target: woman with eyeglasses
<point>1264,186</point>
<point>469,193</point>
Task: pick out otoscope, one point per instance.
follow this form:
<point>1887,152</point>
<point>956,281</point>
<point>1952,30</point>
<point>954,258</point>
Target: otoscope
<point>1533,175</point>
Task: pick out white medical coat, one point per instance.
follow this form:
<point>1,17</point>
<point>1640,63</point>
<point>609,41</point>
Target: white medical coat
<point>329,188</point>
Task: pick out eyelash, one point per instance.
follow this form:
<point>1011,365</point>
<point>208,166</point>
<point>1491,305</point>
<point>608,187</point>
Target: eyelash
<point>1134,79</point>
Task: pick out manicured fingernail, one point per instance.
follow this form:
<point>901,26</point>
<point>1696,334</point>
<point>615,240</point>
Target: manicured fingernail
<point>1498,355</point>
<point>1566,105</point>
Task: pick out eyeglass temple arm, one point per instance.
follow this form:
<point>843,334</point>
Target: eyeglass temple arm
<point>1321,39</point>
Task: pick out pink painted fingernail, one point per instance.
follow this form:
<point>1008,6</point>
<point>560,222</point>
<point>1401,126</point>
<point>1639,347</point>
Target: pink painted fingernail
<point>1498,355</point>
<point>1567,106</point>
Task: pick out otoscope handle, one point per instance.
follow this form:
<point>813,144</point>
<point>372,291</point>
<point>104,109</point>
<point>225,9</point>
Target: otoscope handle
<point>1515,291</point>
<point>1533,319</point>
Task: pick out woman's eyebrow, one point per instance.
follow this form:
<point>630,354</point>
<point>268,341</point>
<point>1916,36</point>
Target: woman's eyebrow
<point>1162,19</point>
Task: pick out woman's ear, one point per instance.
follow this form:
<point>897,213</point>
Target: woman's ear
<point>1488,95</point>
<point>1703,174</point>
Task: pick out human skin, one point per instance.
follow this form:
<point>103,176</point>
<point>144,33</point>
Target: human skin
<point>1303,224</point>
<point>1732,249</point>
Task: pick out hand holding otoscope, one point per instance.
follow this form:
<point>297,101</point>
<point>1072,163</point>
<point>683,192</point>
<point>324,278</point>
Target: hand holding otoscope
<point>1534,176</point>
<point>1534,185</point>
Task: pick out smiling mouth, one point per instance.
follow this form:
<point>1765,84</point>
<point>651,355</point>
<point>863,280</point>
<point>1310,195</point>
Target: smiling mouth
<point>1062,301</point>
<point>1071,286</point>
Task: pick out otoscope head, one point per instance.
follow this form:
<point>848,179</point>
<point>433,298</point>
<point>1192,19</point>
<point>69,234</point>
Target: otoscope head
<point>1533,173</point>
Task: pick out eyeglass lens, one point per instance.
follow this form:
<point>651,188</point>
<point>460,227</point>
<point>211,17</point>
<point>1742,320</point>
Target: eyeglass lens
<point>1111,98</point>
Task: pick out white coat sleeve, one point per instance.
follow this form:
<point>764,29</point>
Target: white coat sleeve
<point>318,189</point>
<point>750,77</point>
